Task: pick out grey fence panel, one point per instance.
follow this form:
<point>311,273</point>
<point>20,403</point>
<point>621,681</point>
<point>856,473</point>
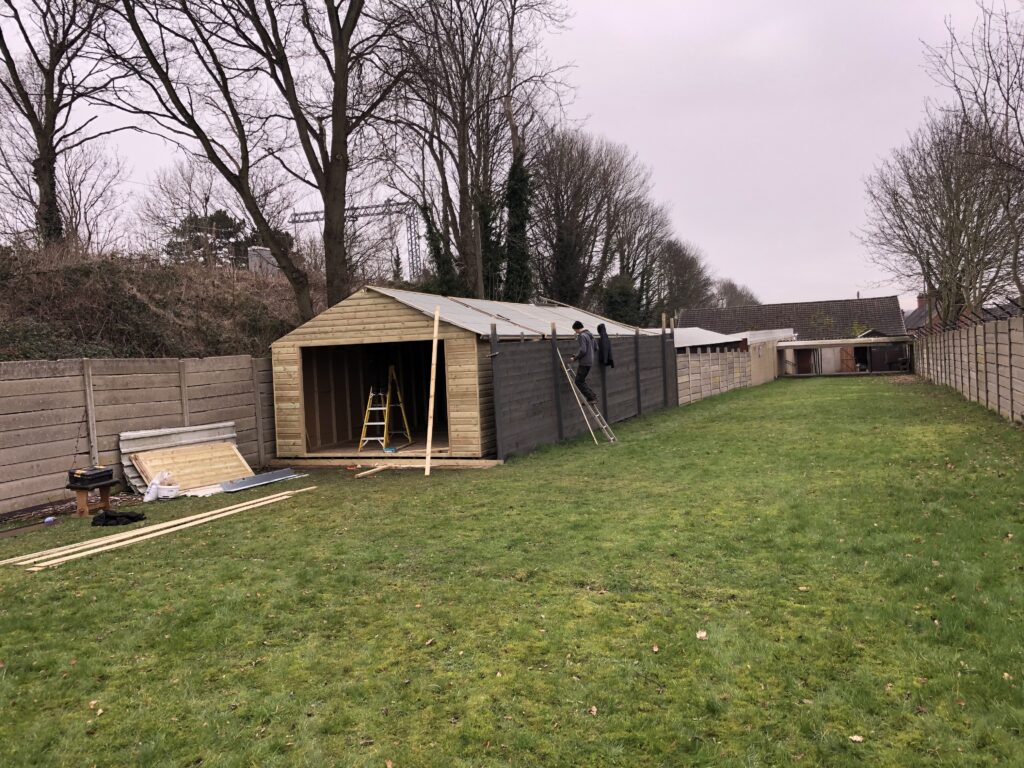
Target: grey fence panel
<point>527,413</point>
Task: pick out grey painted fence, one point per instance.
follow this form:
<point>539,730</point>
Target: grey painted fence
<point>59,415</point>
<point>984,363</point>
<point>534,406</point>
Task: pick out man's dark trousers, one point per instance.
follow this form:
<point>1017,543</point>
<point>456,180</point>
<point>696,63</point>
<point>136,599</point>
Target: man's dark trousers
<point>582,371</point>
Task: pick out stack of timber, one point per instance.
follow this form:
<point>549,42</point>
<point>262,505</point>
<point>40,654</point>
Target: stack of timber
<point>51,558</point>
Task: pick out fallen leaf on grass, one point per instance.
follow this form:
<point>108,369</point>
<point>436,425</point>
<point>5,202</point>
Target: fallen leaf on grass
<point>1007,676</point>
<point>93,703</point>
<point>857,738</point>
<point>803,589</point>
<point>429,642</point>
<point>702,634</point>
<point>388,764</point>
<point>3,665</point>
<point>655,648</point>
<point>593,711</point>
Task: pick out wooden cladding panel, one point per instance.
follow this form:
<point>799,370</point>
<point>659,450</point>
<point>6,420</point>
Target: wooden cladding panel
<point>464,420</point>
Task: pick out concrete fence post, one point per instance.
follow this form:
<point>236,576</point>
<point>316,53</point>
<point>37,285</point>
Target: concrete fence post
<point>90,411</point>
<point>183,385</point>
<point>636,358</point>
<point>257,404</point>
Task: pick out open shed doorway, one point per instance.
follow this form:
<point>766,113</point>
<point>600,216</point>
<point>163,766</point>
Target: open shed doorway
<point>336,384</point>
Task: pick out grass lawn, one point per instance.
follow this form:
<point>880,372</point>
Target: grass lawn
<point>851,548</point>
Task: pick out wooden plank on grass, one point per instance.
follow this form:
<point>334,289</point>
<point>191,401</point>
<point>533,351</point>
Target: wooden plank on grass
<point>216,515</point>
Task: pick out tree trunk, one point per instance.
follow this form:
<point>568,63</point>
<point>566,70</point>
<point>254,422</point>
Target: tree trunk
<point>49,223</point>
<point>339,278</point>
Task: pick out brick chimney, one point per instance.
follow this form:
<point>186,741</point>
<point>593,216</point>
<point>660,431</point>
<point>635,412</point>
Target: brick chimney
<point>922,300</point>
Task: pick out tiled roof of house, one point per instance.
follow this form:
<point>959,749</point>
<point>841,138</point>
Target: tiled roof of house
<point>916,318</point>
<point>840,319</point>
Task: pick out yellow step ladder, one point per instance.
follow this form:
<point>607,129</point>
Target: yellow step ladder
<point>378,416</point>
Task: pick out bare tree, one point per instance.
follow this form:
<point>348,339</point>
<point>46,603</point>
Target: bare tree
<point>476,84</point>
<point>938,215</point>
<point>87,181</point>
<point>729,293</point>
<point>594,215</point>
<point>985,71</point>
<point>46,76</point>
<point>189,187</point>
<point>192,82</point>
<point>89,192</point>
<point>687,280</point>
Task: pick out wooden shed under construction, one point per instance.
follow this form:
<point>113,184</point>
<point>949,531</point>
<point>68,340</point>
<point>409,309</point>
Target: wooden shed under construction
<point>324,370</point>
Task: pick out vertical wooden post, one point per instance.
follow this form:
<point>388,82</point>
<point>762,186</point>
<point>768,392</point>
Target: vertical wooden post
<point>433,384</point>
<point>90,411</point>
<point>347,373</point>
<point>603,373</point>
<point>499,448</point>
<point>664,361</point>
<point>674,378</point>
<point>257,404</point>
<point>556,376</point>
<point>314,362</point>
<point>183,385</point>
<point>636,357</point>
<point>334,396</point>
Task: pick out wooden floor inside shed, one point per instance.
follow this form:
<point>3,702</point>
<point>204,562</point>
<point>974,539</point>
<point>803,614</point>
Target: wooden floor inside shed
<point>417,449</point>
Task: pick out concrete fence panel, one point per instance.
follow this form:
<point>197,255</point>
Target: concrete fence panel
<point>984,363</point>
<point>57,416</point>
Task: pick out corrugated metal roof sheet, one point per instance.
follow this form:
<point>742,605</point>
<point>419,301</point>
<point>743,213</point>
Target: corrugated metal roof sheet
<point>701,337</point>
<point>477,315</point>
<point>837,319</point>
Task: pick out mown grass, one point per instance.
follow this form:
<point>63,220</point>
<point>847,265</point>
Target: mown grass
<point>850,547</point>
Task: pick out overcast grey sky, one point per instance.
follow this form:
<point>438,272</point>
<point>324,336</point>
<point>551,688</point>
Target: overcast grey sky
<point>761,120</point>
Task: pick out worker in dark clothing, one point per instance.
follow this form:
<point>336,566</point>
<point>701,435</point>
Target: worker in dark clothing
<point>584,359</point>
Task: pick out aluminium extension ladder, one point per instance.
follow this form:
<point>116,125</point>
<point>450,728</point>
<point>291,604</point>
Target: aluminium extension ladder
<point>587,406</point>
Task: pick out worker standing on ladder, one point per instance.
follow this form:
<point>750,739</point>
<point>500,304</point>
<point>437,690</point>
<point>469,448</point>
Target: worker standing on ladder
<point>584,359</point>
